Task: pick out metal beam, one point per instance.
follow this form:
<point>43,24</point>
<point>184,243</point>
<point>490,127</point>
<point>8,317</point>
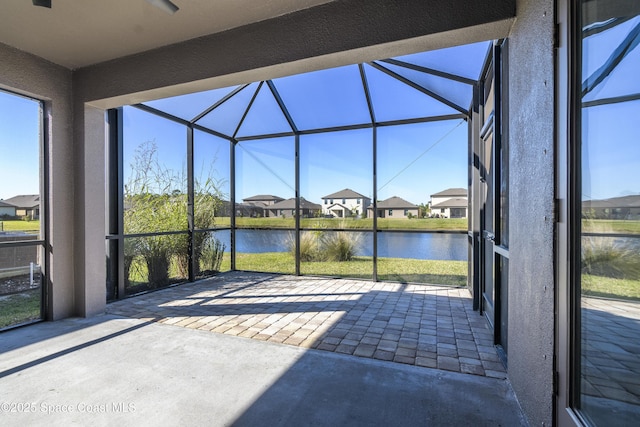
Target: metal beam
<point>613,100</point>
<point>246,111</point>
<point>628,44</point>
<point>161,113</point>
<point>336,129</point>
<point>419,88</point>
<point>431,71</point>
<point>267,136</point>
<point>367,93</point>
<point>282,105</point>
<point>297,202</point>
<point>375,203</point>
<point>190,203</point>
<point>219,103</point>
<point>232,202</point>
<point>212,132</point>
<point>423,120</point>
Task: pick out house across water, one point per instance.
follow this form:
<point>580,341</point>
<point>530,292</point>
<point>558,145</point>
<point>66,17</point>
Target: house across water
<point>450,203</point>
<point>396,207</point>
<point>345,203</point>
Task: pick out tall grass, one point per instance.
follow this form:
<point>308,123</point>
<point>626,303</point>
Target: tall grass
<point>211,256</point>
<point>340,245</point>
<point>309,246</point>
<point>610,268</point>
<point>318,246</point>
<point>610,257</point>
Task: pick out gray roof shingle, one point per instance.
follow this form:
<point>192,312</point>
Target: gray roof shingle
<point>262,198</point>
<point>291,204</point>
<point>452,203</point>
<point>451,192</point>
<point>396,202</point>
<point>24,201</point>
<point>347,193</point>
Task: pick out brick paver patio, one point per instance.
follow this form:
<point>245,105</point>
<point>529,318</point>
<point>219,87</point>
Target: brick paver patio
<point>431,326</point>
<point>611,351</point>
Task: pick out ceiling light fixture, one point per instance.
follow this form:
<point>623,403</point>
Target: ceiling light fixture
<point>43,3</point>
<point>165,5</point>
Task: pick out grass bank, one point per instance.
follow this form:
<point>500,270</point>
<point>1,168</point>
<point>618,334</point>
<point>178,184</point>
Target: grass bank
<point>611,226</point>
<point>19,308</point>
<point>608,287</point>
<point>452,273</point>
<point>459,224</point>
<point>32,227</point>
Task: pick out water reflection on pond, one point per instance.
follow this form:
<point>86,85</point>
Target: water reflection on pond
<point>435,246</point>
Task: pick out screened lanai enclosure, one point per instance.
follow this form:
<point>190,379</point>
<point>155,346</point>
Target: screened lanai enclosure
<point>361,171</point>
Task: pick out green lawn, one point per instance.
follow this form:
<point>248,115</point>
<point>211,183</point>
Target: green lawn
<point>19,225</point>
<point>19,308</point>
<point>452,273</point>
<point>599,286</point>
<point>430,224</point>
<point>611,226</point>
<point>437,272</point>
<point>598,225</point>
<point>350,223</point>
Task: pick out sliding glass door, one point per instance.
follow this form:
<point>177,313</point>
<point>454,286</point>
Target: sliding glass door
<point>599,318</point>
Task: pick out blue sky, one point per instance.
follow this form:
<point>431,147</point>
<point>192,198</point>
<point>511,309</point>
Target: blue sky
<point>19,146</point>
<point>414,161</point>
<point>611,145</point>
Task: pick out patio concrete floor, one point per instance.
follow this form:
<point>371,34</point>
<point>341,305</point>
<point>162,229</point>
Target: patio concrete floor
<point>113,370</point>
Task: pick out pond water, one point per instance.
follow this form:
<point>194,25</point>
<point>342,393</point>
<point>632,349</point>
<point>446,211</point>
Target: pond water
<point>436,246</point>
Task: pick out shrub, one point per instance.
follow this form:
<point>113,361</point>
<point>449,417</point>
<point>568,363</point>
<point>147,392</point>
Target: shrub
<point>155,201</point>
<point>340,245</point>
<point>610,257</point>
<point>319,245</point>
<point>156,251</point>
<point>180,251</point>
<point>212,253</point>
<point>309,245</point>
<point>131,249</point>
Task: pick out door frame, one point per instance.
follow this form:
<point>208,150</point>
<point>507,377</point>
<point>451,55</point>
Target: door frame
<point>42,244</point>
<point>489,246</point>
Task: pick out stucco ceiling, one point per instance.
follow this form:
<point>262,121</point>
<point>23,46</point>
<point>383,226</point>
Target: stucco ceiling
<point>77,33</point>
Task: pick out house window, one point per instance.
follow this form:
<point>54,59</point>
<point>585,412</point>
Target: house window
<point>326,201</point>
<point>344,201</point>
<point>359,201</point>
<point>442,210</point>
<point>390,212</point>
<point>406,211</point>
<point>331,201</point>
